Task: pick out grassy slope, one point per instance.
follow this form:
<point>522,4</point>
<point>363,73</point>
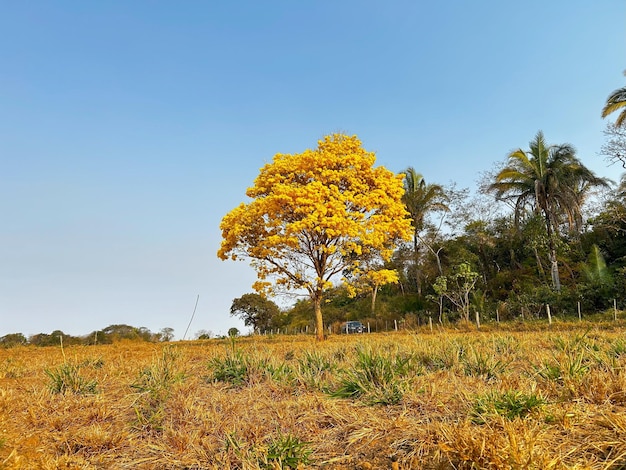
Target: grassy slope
<point>449,399</point>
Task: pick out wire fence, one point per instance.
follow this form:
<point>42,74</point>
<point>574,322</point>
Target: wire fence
<point>426,320</point>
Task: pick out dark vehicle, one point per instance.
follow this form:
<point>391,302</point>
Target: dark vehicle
<point>350,327</point>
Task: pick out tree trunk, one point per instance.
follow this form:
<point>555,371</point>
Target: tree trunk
<point>539,264</point>
<point>319,321</point>
<point>374,292</point>
<point>554,271</point>
<point>418,282</point>
<point>554,264</point>
<point>416,248</point>
<point>441,309</point>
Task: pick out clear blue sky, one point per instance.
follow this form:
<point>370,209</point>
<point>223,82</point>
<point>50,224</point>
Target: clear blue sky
<point>129,128</point>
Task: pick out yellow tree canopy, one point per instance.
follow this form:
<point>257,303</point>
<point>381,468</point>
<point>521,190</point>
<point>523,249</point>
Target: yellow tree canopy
<point>314,215</point>
<point>373,279</point>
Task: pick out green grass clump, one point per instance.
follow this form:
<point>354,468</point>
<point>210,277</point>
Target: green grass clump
<point>239,369</point>
<point>509,405</point>
<point>66,378</point>
<point>618,348</point>
<point>232,369</point>
<point>154,386</point>
<point>571,366</point>
<point>483,364</point>
<point>314,369</point>
<point>286,452</point>
<point>375,378</point>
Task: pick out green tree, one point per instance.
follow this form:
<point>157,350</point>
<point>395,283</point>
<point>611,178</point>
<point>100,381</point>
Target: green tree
<point>598,284</point>
<point>549,180</point>
<point>13,339</point>
<point>166,334</point>
<point>204,334</point>
<point>255,311</point>
<point>421,199</point>
<point>457,287</point>
<point>595,270</point>
<point>609,233</point>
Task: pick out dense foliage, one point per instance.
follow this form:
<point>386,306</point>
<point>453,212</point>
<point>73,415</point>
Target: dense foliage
<point>541,230</point>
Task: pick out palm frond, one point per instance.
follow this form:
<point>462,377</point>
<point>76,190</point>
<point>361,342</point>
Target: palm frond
<point>615,102</point>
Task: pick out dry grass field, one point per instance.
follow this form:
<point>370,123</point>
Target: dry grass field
<point>545,399</point>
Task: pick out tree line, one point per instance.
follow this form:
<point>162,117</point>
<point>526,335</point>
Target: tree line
<point>108,335</point>
<point>541,229</point>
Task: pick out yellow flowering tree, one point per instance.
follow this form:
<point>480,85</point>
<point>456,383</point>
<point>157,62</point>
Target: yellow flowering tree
<point>370,281</point>
<point>313,216</point>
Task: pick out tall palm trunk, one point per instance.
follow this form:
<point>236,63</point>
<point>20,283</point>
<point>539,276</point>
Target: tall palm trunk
<point>554,264</point>
<point>542,198</point>
<point>418,271</point>
<point>554,271</point>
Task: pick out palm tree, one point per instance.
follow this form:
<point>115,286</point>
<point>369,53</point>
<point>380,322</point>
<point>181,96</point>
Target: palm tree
<point>552,182</point>
<point>616,101</point>
<point>420,199</point>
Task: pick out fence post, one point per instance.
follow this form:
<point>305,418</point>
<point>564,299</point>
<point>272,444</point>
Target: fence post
<point>477,320</point>
<point>395,324</point>
<point>580,318</point>
<point>615,309</point>
<point>549,316</point>
<point>430,323</point>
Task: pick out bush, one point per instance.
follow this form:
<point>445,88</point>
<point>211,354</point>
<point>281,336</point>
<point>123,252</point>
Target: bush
<point>13,339</point>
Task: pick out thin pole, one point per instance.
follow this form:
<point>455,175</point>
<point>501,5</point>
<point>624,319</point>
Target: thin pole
<point>192,315</point>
